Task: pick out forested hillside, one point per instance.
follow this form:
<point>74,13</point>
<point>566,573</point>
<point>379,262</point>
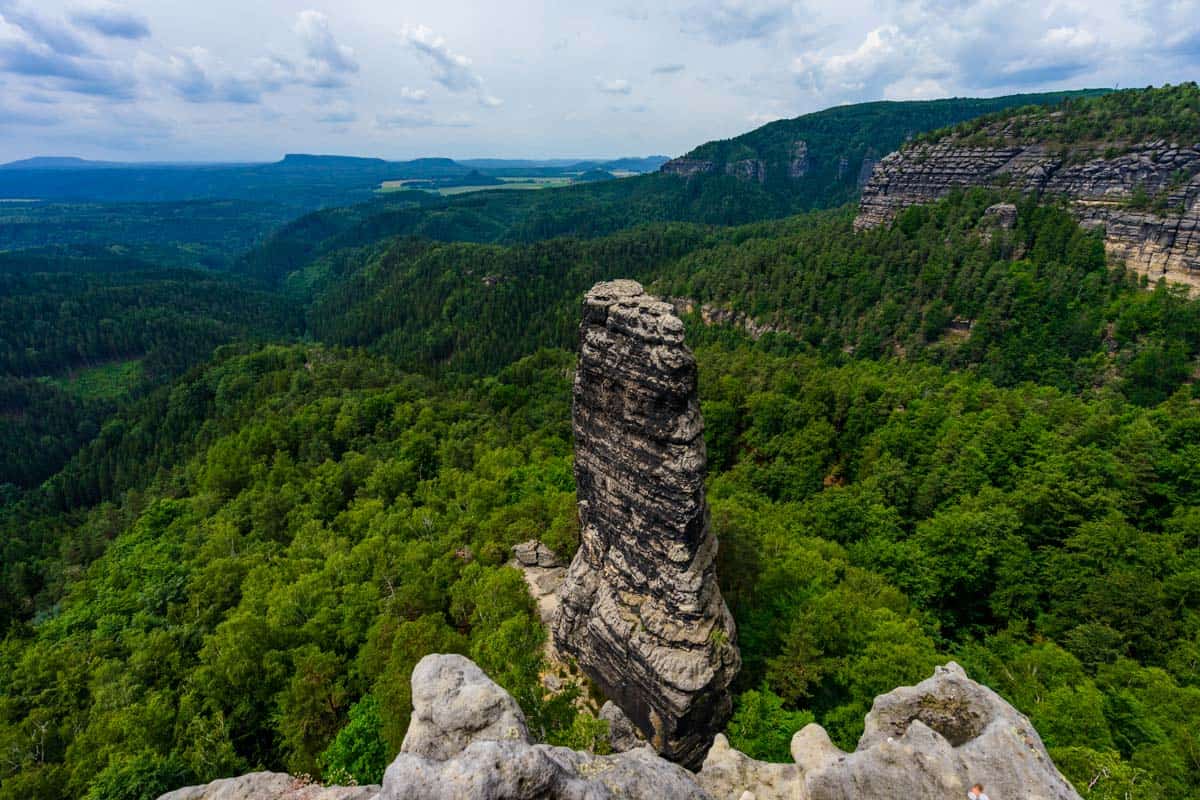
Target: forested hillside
<point>944,285</point>
<point>821,160</point>
<point>852,132</point>
<point>344,519</point>
<point>73,346</point>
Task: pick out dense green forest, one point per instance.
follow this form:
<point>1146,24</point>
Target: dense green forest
<point>1111,120</point>
<point>876,518</point>
<point>237,507</point>
<point>58,330</point>
<point>71,237</point>
<point>1035,303</point>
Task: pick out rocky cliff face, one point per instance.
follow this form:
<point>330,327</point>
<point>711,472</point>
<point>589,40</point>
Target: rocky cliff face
<point>1102,191</point>
<point>468,739</point>
<point>687,167</point>
<point>800,163</point>
<point>640,609</point>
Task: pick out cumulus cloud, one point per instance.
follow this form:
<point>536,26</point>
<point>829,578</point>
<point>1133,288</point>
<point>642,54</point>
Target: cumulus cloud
<point>10,115</point>
<point>198,77</point>
<point>113,22</point>
<point>729,21</point>
<point>410,118</point>
<point>618,86</point>
<point>327,63</point>
<point>452,70</point>
<point>763,117</point>
<point>984,45</point>
<point>668,69</point>
<point>338,114</point>
<point>44,49</point>
<point>49,33</point>
<point>414,96</point>
<point>883,53</point>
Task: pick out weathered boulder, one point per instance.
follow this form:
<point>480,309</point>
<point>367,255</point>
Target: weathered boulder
<point>454,704</point>
<point>488,770</point>
<point>930,741</point>
<point>270,786</point>
<point>640,609</point>
<point>535,554</point>
<point>482,760</point>
<point>728,773</point>
<point>1001,215</point>
<point>544,573</point>
<point>934,740</point>
<point>623,735</point>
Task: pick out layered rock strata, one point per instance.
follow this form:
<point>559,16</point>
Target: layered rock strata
<point>1162,243</point>
<point>748,169</point>
<point>800,163</point>
<point>640,610</point>
<point>687,167</point>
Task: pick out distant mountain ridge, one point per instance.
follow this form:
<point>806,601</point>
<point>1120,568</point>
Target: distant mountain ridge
<point>825,158</point>
<point>303,181</point>
<point>465,165</point>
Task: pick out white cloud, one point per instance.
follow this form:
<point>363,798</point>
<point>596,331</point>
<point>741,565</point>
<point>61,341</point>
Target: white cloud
<point>618,86</point>
<point>45,50</point>
<point>414,96</point>
<point>304,75</point>
<point>198,76</point>
<point>762,118</point>
<point>327,63</point>
<point>729,21</point>
<point>452,70</point>
<point>410,118</point>
<point>112,21</point>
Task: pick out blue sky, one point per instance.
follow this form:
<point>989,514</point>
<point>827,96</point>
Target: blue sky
<point>230,80</point>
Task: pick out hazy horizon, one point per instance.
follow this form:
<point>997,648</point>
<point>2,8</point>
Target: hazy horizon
<point>140,80</point>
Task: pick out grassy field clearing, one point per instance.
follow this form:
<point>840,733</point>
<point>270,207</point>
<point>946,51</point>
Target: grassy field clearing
<point>101,382</point>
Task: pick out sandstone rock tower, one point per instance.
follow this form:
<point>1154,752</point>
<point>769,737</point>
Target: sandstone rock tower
<point>640,608</point>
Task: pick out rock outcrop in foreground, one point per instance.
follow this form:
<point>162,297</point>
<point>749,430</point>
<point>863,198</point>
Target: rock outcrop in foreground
<point>472,742</point>
<point>931,741</point>
<point>640,610</point>
<point>468,741</point>
<point>271,786</point>
<point>1102,190</point>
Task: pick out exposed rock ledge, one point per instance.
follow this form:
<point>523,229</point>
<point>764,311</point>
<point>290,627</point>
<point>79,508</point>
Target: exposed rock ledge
<point>468,740</point>
<point>1165,244</point>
